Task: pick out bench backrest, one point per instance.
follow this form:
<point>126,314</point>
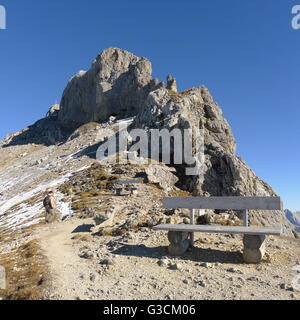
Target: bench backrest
<point>127,182</point>
<point>234,203</point>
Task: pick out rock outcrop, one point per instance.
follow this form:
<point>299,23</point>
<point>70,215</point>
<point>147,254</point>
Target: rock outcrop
<point>224,173</point>
<point>294,218</point>
<point>171,83</point>
<point>53,111</point>
<point>116,85</point>
<point>161,175</point>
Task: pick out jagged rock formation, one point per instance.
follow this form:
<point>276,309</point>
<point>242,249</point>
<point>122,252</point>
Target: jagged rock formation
<point>53,111</point>
<point>116,85</point>
<point>162,176</point>
<point>171,83</point>
<point>224,173</point>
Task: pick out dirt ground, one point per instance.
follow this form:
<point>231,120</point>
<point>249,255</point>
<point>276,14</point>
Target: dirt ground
<point>137,265</point>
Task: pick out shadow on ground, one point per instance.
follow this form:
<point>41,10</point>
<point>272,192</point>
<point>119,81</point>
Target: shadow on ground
<point>83,228</point>
<point>196,254</point>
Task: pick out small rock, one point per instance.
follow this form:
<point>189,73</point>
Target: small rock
<point>92,277</point>
<point>259,268</point>
<point>290,289</point>
<point>283,286</point>
<point>163,262</point>
<point>108,262</point>
<point>241,280</point>
<point>86,255</point>
<point>234,270</point>
<point>176,266</point>
<point>206,265</point>
<point>253,278</point>
<point>81,276</point>
<point>186,220</point>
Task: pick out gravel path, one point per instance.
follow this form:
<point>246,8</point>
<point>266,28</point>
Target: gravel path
<point>138,266</point>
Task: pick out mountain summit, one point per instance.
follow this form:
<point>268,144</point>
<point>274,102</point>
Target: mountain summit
<point>119,85</point>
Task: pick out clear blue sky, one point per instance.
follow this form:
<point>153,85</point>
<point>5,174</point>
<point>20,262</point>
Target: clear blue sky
<point>244,51</point>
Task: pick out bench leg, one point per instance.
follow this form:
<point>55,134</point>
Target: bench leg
<point>192,218</point>
<point>179,242</point>
<point>254,248</point>
<point>133,192</point>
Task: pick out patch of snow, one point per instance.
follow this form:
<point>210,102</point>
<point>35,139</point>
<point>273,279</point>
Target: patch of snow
<point>6,205</point>
<point>22,214</point>
<point>25,215</point>
<point>64,208</point>
<point>31,223</point>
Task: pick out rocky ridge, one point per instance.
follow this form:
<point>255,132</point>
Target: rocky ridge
<point>294,218</point>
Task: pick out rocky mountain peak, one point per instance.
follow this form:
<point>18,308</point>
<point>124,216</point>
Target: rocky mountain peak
<point>119,85</point>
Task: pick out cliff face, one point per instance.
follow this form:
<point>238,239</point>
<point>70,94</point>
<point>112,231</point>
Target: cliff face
<point>119,84</point>
<point>224,173</point>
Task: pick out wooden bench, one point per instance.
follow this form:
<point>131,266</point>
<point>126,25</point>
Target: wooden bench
<point>181,236</point>
<point>119,186</point>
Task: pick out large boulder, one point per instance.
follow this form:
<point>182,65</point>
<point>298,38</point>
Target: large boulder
<point>161,175</point>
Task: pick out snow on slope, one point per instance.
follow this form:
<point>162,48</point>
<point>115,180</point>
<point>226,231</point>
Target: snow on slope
<point>27,171</point>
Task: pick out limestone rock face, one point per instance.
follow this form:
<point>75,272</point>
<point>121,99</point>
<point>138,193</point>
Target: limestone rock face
<point>161,175</point>
<point>53,111</point>
<point>171,83</point>
<point>224,173</point>
<point>116,85</point>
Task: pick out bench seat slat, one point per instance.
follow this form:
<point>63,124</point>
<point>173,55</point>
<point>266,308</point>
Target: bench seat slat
<point>220,229</point>
<point>223,203</point>
<point>127,182</point>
